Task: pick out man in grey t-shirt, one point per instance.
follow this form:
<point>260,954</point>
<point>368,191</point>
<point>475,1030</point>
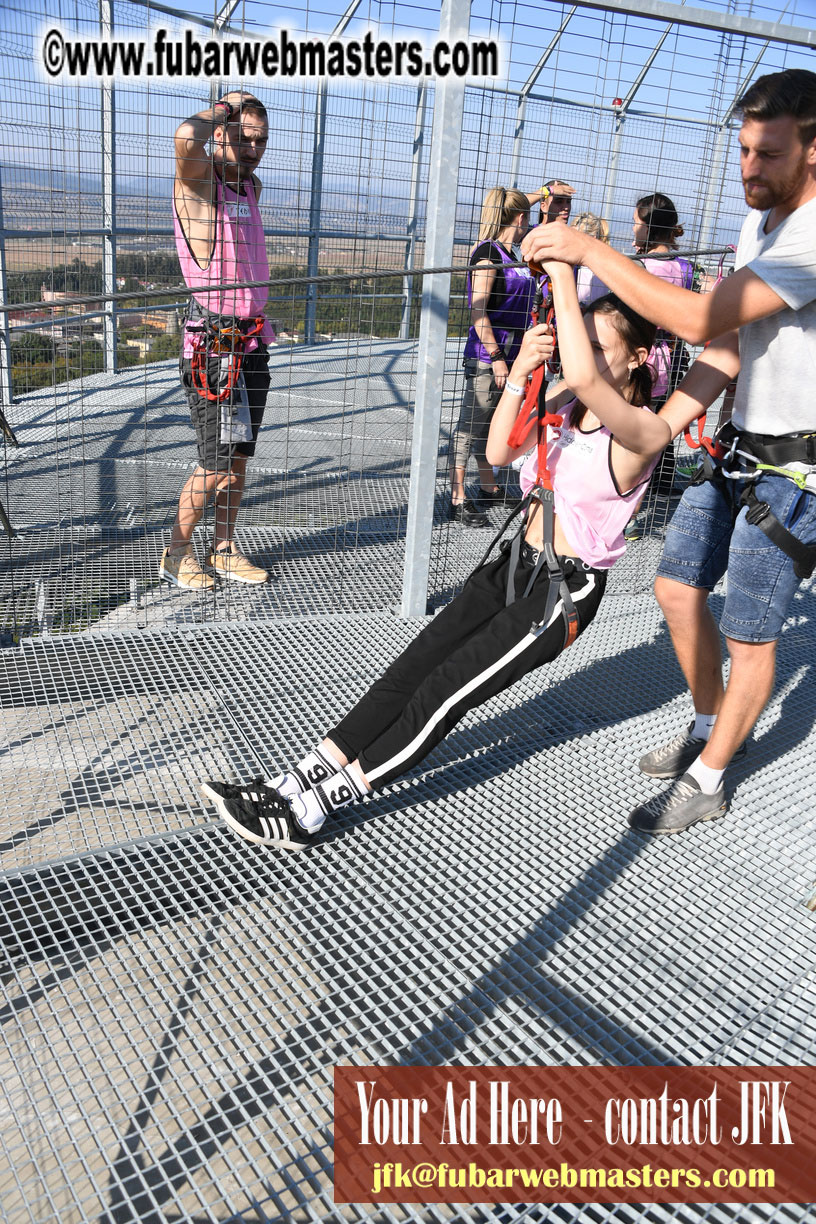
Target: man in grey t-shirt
<point>759,524</point>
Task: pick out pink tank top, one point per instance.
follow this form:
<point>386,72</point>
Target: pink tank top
<point>238,254</point>
<point>592,511</point>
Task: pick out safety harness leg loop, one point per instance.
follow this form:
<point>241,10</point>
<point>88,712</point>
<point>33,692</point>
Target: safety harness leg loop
<point>760,515</point>
<point>761,455</point>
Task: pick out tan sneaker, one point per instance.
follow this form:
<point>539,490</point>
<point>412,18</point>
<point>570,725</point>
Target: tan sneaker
<point>235,567</point>
<point>183,570</point>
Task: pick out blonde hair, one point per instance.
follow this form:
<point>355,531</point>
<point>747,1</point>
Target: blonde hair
<point>596,227</point>
<point>500,208</point>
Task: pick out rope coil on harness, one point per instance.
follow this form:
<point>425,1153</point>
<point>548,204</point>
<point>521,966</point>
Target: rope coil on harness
<point>211,339</point>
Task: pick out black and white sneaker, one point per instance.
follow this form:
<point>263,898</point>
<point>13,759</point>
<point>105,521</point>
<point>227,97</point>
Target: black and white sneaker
<point>257,813</point>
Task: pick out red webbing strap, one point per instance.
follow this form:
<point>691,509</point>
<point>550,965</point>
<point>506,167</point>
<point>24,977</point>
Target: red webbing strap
<point>205,345</point>
<point>708,444</point>
<point>533,410</point>
<point>714,449</point>
<point>553,364</point>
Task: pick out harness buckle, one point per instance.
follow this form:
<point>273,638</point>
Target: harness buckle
<point>757,513</point>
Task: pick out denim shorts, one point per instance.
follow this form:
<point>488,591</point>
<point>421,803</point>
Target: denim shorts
<point>703,541</point>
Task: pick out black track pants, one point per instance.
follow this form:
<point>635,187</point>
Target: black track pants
<point>473,649</point>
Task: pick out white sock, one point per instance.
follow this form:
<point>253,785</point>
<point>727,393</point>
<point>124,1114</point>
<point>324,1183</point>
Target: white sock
<point>317,766</point>
<point>706,778</point>
<point>313,806</point>
<point>703,726</point>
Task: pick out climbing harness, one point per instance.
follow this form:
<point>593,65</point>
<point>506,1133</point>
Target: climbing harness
<point>755,454</point>
<point>534,412</point>
<point>222,337</point>
<point>761,453</point>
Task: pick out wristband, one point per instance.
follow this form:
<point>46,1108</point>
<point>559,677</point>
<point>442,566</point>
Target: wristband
<point>228,107</point>
<point>508,386</point>
<point>497,355</point>
<point>545,193</point>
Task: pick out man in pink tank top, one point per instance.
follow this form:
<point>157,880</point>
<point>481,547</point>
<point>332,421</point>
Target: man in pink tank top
<point>220,242</point>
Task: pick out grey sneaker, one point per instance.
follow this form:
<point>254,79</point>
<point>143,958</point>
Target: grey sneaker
<point>672,759</point>
<point>681,806</point>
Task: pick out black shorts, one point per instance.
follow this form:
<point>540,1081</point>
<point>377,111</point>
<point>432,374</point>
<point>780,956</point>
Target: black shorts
<point>213,454</point>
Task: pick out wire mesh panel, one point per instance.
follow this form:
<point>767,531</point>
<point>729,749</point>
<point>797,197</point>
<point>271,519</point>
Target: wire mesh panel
<point>175,1000</point>
<point>617,105</point>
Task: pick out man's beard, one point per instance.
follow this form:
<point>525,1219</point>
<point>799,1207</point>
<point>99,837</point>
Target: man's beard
<point>235,170</point>
<point>769,195</point>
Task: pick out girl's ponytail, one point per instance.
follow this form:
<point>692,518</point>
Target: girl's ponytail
<point>638,390</point>
<point>500,207</point>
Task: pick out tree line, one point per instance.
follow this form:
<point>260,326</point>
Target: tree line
<point>353,305</point>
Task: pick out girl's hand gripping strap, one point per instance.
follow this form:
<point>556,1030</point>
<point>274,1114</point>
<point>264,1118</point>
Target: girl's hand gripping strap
<point>534,410</point>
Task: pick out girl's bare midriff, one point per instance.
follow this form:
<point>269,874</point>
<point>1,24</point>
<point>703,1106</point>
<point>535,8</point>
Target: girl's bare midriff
<point>533,535</point>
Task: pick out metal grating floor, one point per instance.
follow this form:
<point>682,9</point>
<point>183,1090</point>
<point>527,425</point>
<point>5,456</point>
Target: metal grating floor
<point>174,1000</point>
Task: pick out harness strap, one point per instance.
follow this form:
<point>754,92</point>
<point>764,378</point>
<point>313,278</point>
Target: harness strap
<point>534,412</point>
<point>708,470</point>
<point>759,513</point>
<point>523,504</point>
<point>556,579</point>
<point>776,451</point>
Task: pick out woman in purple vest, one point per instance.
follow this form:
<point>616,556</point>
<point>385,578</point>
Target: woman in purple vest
<point>500,298</point>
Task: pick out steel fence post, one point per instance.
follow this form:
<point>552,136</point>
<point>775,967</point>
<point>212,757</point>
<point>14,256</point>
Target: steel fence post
<point>443,178</point>
<point>106,91</point>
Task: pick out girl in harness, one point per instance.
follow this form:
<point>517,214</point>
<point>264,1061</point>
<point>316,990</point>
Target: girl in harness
<point>519,609</point>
